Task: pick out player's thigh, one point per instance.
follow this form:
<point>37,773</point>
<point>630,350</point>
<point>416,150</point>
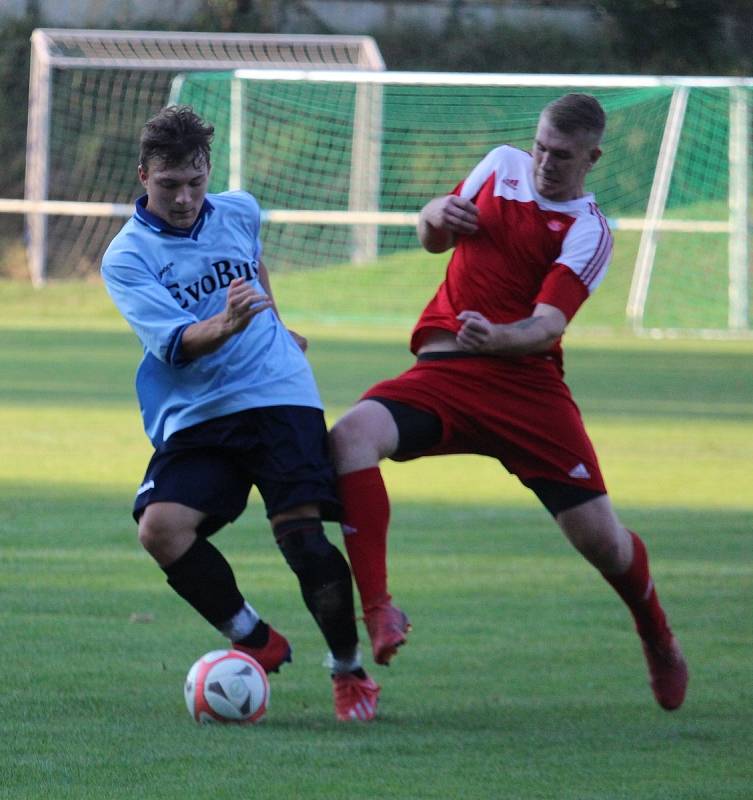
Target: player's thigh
<point>365,435</point>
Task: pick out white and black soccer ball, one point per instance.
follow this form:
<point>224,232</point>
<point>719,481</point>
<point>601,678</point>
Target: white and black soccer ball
<point>227,686</point>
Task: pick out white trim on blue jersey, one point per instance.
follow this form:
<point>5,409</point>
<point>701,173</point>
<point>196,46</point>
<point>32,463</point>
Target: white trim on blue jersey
<point>163,279</point>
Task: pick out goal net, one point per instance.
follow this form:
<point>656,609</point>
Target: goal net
<point>674,178</point>
<point>342,155</point>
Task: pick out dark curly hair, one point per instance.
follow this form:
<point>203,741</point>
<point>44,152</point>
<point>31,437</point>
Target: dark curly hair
<point>174,136</point>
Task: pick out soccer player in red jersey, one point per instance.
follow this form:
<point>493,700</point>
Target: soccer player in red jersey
<point>529,247</point>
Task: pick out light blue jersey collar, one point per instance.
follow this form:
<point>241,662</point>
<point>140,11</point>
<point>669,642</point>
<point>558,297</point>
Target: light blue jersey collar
<point>160,226</point>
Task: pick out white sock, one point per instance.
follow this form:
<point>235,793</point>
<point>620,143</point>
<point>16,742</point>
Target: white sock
<point>240,624</point>
<point>341,665</point>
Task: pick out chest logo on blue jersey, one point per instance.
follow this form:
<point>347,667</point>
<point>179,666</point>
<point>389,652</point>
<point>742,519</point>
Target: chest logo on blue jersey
<point>219,277</point>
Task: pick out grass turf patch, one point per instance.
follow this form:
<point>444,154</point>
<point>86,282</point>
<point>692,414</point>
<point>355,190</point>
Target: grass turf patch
<point>522,677</point>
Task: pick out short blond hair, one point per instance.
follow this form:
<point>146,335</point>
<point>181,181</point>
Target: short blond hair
<point>573,113</point>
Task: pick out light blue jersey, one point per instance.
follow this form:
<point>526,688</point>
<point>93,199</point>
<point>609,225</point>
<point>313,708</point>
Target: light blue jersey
<point>163,279</point>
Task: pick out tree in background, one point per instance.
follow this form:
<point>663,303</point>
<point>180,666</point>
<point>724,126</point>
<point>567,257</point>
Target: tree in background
<point>259,16</point>
<point>670,36</point>
<point>15,53</point>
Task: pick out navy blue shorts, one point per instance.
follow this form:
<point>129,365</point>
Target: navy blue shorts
<point>211,467</point>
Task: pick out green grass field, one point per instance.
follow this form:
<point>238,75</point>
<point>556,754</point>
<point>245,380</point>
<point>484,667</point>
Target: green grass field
<point>522,680</point>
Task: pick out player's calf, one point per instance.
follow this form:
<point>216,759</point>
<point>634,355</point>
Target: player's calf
<point>325,580</point>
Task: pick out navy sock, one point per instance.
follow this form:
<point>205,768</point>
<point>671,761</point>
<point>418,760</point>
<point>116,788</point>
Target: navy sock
<point>205,580</point>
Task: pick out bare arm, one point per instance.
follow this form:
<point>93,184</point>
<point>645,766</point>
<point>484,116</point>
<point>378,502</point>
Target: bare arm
<point>444,218</point>
<point>534,334</point>
<point>243,304</point>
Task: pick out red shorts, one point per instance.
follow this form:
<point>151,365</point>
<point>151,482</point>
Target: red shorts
<point>519,412</point>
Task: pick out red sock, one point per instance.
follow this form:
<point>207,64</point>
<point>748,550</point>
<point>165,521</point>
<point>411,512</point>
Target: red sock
<point>636,588</point>
<point>366,517</point>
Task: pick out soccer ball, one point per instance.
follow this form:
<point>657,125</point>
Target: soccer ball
<point>227,686</point>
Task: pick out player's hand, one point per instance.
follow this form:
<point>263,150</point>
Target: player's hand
<point>244,302</point>
<point>454,214</point>
<point>534,334</point>
<point>476,334</point>
<point>301,341</point>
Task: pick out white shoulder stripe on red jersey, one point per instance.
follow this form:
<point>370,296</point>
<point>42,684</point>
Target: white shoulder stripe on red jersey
<point>593,271</point>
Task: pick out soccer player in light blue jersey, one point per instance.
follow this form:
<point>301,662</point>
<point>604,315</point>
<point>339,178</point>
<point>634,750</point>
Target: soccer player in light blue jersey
<point>229,401</point>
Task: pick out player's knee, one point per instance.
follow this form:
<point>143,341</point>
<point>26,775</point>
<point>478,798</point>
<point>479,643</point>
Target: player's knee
<point>157,531</point>
<point>614,551</point>
<point>596,549</point>
<point>596,532</point>
<point>151,532</point>
<point>309,554</point>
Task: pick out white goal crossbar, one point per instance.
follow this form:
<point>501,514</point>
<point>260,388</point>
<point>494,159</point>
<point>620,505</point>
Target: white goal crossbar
<point>324,217</point>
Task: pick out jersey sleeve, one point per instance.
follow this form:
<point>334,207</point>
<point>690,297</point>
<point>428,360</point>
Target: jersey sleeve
<point>250,219</point>
<point>148,306</point>
<point>581,265</point>
<point>478,176</point>
<point>564,290</point>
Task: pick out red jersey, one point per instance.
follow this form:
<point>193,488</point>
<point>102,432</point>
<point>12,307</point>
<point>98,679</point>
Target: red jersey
<point>527,250</point>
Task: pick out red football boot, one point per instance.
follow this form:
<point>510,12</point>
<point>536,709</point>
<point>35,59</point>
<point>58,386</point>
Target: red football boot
<point>387,627</point>
<point>668,671</point>
<point>272,655</point>
<point>355,698</point>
